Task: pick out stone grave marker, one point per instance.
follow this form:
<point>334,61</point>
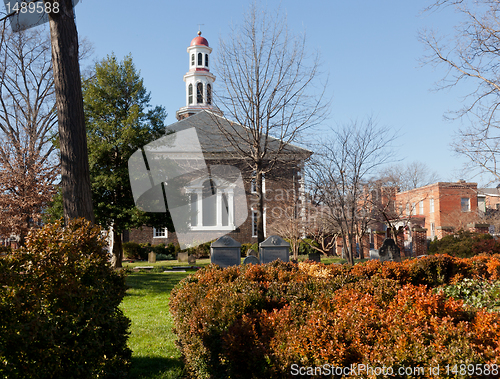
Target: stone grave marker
<point>152,257</point>
<point>252,252</point>
<point>251,259</point>
<point>182,256</point>
<point>274,247</point>
<point>389,251</point>
<point>315,257</point>
<point>374,254</point>
<point>225,252</point>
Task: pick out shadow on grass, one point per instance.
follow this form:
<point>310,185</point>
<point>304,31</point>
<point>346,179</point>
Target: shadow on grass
<point>149,282</point>
<point>156,368</point>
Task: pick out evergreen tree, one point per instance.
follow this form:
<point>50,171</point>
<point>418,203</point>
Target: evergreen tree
<point>119,121</point>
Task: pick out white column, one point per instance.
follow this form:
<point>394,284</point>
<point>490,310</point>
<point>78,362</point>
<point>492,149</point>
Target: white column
<point>218,207</point>
<point>199,202</point>
<point>230,204</point>
<point>302,198</point>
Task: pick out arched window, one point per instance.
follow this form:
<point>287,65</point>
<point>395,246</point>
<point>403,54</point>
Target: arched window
<point>206,60</point>
<point>200,59</point>
<point>190,94</point>
<point>209,203</point>
<point>199,93</point>
<point>192,59</point>
<point>209,94</point>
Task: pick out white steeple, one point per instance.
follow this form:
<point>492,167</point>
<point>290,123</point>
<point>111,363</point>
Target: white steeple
<point>199,80</point>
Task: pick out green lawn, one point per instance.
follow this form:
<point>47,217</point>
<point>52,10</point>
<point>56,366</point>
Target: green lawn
<point>205,262</point>
<point>155,355</point>
<point>151,339</point>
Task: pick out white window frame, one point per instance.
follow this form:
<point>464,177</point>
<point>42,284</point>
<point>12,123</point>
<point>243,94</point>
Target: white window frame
<point>431,205</point>
<point>421,207</point>
<point>160,233</point>
<point>254,223</point>
<point>253,184</point>
<point>222,188</point>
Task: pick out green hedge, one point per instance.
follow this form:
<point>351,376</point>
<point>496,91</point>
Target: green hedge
<point>258,321</point>
<point>465,244</point>
<point>200,251</point>
<point>305,248</point>
<point>245,247</point>
<point>132,250</point>
<point>59,307</point>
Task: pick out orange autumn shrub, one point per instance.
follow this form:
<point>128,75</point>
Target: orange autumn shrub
<point>259,321</point>
<point>493,266</point>
<point>415,328</point>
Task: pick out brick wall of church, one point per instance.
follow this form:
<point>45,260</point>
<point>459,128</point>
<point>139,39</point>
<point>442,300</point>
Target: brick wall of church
<point>281,192</point>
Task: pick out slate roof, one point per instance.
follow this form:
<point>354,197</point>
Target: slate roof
<point>214,143</point>
<point>489,191</point>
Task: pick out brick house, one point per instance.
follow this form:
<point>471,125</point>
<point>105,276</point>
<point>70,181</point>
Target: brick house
<point>433,211</point>
<point>441,208</point>
<point>281,185</point>
<point>489,198</point>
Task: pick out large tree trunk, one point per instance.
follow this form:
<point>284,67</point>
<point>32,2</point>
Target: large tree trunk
<point>350,253</point>
<point>117,250</point>
<point>77,198</point>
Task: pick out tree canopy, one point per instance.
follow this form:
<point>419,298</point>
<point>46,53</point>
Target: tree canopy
<point>120,120</point>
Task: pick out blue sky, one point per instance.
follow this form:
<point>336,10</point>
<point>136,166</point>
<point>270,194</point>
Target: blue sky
<point>370,50</point>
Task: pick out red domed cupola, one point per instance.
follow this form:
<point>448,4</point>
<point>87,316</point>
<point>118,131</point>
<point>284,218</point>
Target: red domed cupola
<point>199,80</point>
<point>199,41</point>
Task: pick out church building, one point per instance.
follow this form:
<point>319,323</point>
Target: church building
<point>213,202</point>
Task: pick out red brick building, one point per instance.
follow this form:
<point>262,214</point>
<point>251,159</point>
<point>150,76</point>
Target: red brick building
<point>434,211</point>
<point>489,198</point>
<point>441,208</point>
<point>425,213</point>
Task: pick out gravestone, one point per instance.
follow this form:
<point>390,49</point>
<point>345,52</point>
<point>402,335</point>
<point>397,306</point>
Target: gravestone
<point>274,248</point>
<point>252,252</point>
<point>251,259</point>
<point>374,254</point>
<point>191,259</point>
<point>182,256</point>
<point>315,257</point>
<point>389,251</point>
<point>152,257</point>
<point>225,252</point>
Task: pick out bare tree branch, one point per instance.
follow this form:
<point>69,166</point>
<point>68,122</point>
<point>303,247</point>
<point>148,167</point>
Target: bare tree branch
<point>341,177</point>
<point>269,86</point>
<point>472,56</point>
<point>29,166</point>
